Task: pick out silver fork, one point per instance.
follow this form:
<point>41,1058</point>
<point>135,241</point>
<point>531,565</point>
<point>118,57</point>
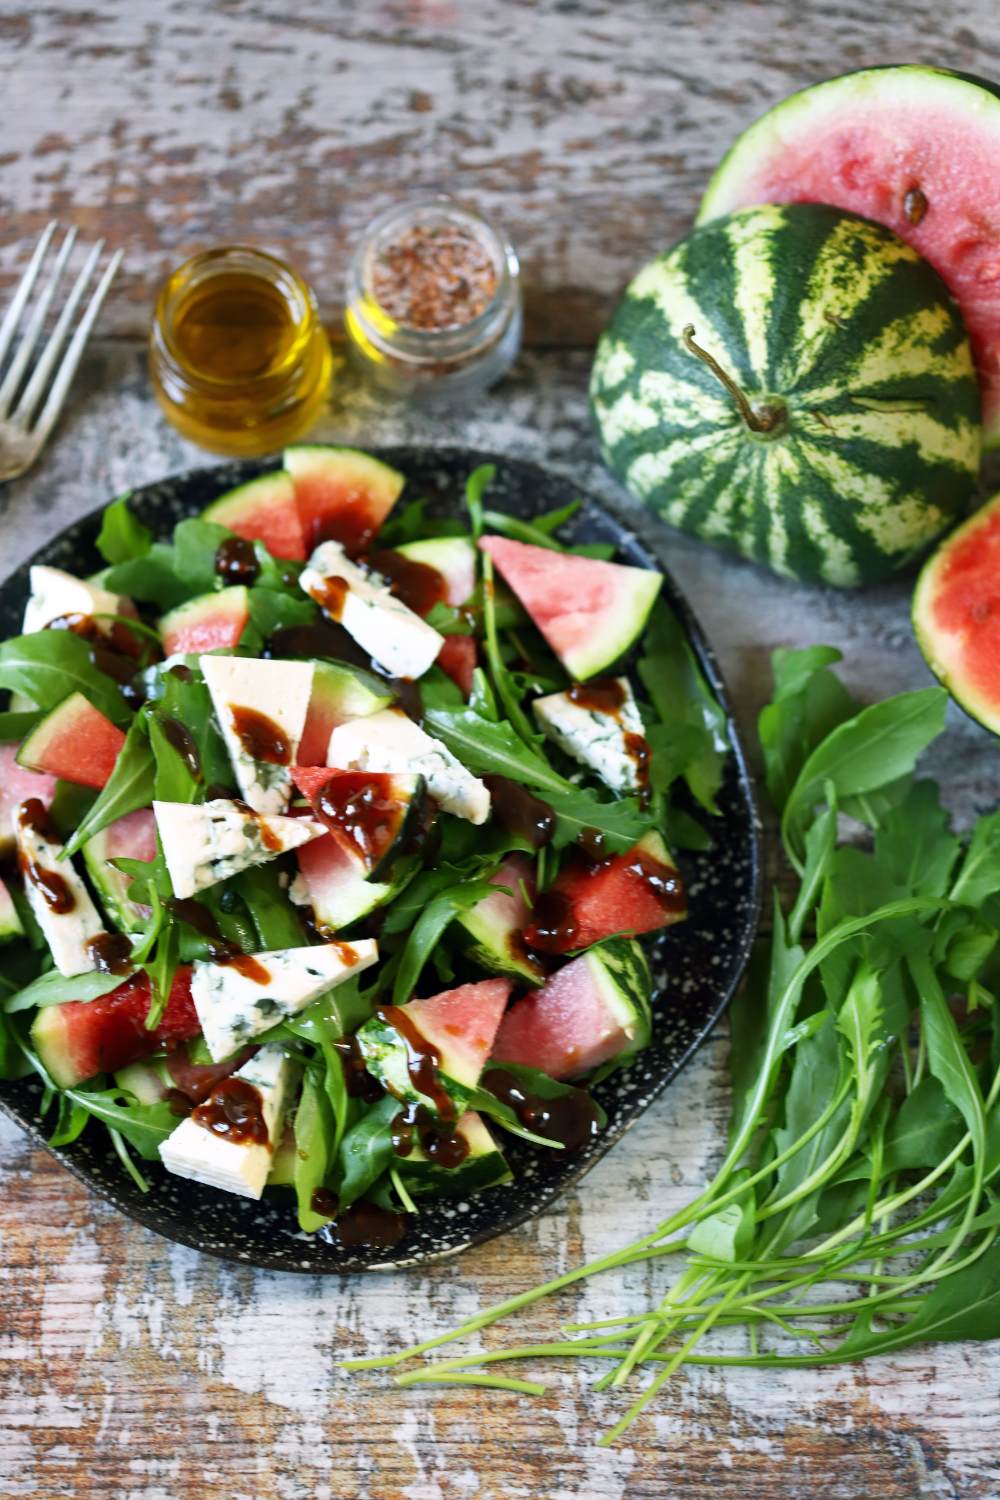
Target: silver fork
<point>25,422</point>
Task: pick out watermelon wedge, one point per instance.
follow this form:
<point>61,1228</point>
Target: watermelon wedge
<point>640,891</point>
<point>496,924</point>
<point>590,612</point>
<point>457,657</point>
<point>80,1038</point>
<point>956,614</point>
<point>334,882</point>
<point>452,557</point>
<point>264,510</point>
<point>75,742</point>
<point>338,693</point>
<point>212,622</point>
<point>16,786</point>
<point>10,922</point>
<point>592,1011</point>
<point>914,148</point>
<point>130,837</point>
<point>368,812</point>
<point>342,495</point>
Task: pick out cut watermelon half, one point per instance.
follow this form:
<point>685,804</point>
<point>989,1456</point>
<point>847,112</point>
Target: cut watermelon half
<point>342,495</point>
<point>956,614</point>
<point>457,657</point>
<point>590,612</point>
<point>80,1038</point>
<point>639,891</point>
<point>212,622</point>
<point>264,510</point>
<point>338,693</point>
<point>914,148</point>
<point>74,742</point>
<point>16,786</point>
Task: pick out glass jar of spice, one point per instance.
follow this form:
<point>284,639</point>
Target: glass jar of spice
<point>434,301</point>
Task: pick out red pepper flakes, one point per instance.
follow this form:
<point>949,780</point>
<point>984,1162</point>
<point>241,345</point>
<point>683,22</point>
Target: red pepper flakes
<point>434,277</point>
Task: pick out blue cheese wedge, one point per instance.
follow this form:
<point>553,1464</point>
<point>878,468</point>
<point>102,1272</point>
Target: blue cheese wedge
<point>207,1148</point>
<point>390,741</point>
<point>56,894</point>
<point>206,842</point>
<point>55,593</point>
<point>400,642</point>
<point>261,707</point>
<point>606,739</point>
<point>236,1001</point>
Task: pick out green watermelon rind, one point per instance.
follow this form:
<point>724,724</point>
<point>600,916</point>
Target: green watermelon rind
<point>484,1167</point>
<point>616,632</point>
<point>34,749</point>
<point>10,923</point>
<point>813,504</point>
<point>352,691</point>
<point>111,884</point>
<point>621,970</point>
<point>928,637</point>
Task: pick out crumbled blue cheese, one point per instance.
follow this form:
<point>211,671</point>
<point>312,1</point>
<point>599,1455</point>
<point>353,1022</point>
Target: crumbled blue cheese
<point>197,1152</point>
<point>280,691</point>
<point>55,593</point>
<point>69,932</point>
<point>394,636</point>
<point>390,741</point>
<point>206,842</point>
<point>595,738</point>
<point>234,1007</point>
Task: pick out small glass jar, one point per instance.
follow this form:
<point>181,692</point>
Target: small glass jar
<point>239,359</point>
<point>434,302</point>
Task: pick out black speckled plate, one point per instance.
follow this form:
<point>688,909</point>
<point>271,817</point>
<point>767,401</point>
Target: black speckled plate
<point>697,965</point>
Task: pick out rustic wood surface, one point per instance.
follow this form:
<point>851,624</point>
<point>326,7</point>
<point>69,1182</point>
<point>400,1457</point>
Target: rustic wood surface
<point>131,1369</point>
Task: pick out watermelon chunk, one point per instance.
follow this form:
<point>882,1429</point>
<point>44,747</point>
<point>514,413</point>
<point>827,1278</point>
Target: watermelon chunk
<point>914,148</point>
<point>80,1038</point>
<point>368,812</point>
<point>590,612</point>
<point>457,657</point>
<point>74,742</point>
<point>338,693</point>
<point>592,1011</point>
<point>496,923</point>
<point>264,510</point>
<point>16,786</point>
<point>130,837</point>
<point>342,495</point>
<point>452,557</point>
<point>10,922</point>
<point>956,614</point>
<point>639,891</point>
<point>212,622</point>
<point>334,882</point>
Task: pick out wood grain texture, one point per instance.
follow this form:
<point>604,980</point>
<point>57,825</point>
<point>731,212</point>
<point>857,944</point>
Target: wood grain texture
<point>588,127</point>
<point>131,1369</point>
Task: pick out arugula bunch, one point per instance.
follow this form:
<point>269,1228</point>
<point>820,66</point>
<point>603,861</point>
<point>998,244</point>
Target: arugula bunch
<point>857,1208</point>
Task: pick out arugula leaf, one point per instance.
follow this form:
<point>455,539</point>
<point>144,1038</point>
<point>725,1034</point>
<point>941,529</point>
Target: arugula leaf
<point>979,874</point>
<point>578,811</point>
<point>428,929</point>
<point>166,575</point>
<point>808,702</point>
<point>365,1152</point>
<point>144,1126</point>
<point>48,665</point>
<point>691,736</point>
<point>127,789</point>
<point>122,535</point>
<point>54,989</point>
<point>476,486</point>
<point>273,915</point>
<point>313,1158</point>
<point>488,748</point>
<point>14,725</point>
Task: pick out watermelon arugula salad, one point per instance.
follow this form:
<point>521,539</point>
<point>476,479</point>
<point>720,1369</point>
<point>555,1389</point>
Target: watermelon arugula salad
<point>332,835</point>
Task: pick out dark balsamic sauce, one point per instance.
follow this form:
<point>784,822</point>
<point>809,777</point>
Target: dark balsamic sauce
<point>111,952</point>
<point>220,949</point>
<point>325,639</point>
<point>416,1125</point>
<point>331,595</point>
<point>234,1110</point>
<point>519,812</point>
<point>419,586</point>
<point>603,695</point>
<point>261,738</point>
<point>323,1202</point>
<point>115,650</point>
<point>365,1226</point>
<point>49,884</point>
<point>236,561</point>
<point>422,1059</point>
<point>570,1121</point>
<point>355,804</point>
<point>358,1082</point>
<point>180,739</point>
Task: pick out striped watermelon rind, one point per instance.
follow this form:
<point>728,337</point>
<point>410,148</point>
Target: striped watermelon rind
<point>836,324</point>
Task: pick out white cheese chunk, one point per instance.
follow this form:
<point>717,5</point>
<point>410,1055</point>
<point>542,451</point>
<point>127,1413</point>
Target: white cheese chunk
<point>206,842</point>
<point>51,884</point>
<point>234,1007</point>
<point>280,691</point>
<point>394,636</point>
<point>196,1151</point>
<point>389,741</point>
<point>55,593</point>
<point>595,737</point>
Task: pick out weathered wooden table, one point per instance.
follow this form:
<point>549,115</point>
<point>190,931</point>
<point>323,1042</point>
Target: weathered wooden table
<point>131,1367</point>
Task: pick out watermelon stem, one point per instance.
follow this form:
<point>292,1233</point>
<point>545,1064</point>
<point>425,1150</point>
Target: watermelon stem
<point>758,419</point>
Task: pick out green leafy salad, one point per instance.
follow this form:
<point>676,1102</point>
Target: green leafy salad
<point>329,830</point>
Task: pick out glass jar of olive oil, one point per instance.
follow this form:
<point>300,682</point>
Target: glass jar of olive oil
<point>239,359</point>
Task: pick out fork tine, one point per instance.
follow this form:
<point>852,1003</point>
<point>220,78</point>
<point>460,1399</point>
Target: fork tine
<point>61,384</point>
<point>36,323</point>
<point>12,317</point>
<point>43,370</point>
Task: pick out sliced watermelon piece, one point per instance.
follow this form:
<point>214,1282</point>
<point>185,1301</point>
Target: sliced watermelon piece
<point>130,837</point>
<point>640,891</point>
<point>264,510</point>
<point>914,148</point>
<point>80,1038</point>
<point>440,570</point>
<point>592,1011</point>
<point>334,882</point>
<point>338,693</point>
<point>457,1027</point>
<point>212,622</point>
<point>496,924</point>
<point>10,922</point>
<point>74,742</point>
<point>956,614</point>
<point>369,812</point>
<point>16,786</point>
<point>483,1167</point>
<point>590,612</point>
<point>342,495</point>
<point>457,657</point>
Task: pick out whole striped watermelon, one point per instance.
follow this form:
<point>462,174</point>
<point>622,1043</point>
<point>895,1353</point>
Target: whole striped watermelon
<point>795,384</point>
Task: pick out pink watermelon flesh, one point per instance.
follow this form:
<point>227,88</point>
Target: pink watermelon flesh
<point>957,615</point>
<point>16,785</point>
<point>462,1025</point>
<point>457,657</point>
<point>920,159</point>
<point>132,837</point>
<point>342,495</point>
<point>77,743</point>
<point>566,1028</point>
<point>589,902</point>
<point>214,622</point>
<point>264,510</point>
